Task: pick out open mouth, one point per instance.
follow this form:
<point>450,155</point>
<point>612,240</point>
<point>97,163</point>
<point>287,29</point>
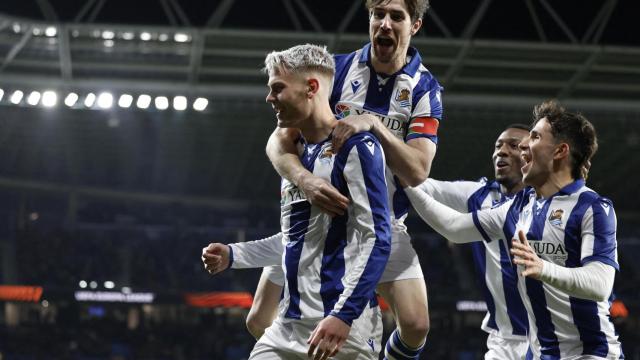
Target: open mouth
<point>501,164</point>
<point>384,41</point>
<point>526,161</point>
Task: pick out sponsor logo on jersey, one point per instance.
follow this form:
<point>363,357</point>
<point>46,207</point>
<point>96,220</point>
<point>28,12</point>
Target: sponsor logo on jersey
<point>291,194</point>
<point>398,127</point>
<point>342,111</point>
<point>555,218</point>
<point>402,97</point>
<point>549,250</point>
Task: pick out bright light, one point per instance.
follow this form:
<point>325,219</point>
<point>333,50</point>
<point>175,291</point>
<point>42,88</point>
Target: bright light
<point>181,37</point>
<point>83,284</point>
<point>128,35</point>
<point>45,303</point>
<point>125,100</point>
<point>108,43</point>
<point>49,98</point>
<point>51,31</point>
<point>16,97</point>
<point>105,100</point>
<point>90,100</point>
<point>16,28</point>
<point>180,103</point>
<point>143,101</point>
<point>33,98</point>
<point>93,284</point>
<point>145,36</point>
<point>37,31</point>
<point>163,37</point>
<point>109,284</point>
<point>162,103</point>
<point>108,34</point>
<point>126,290</point>
<point>71,99</point>
<point>1,94</point>
<point>200,104</point>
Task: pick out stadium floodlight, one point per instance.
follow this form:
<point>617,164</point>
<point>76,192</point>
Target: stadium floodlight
<point>16,97</point>
<point>109,284</point>
<point>200,104</point>
<point>180,103</point>
<point>163,37</point>
<point>49,98</point>
<point>145,36</point>
<point>51,31</point>
<point>93,284</point>
<point>144,101</point>
<point>105,100</point>
<point>125,101</point>
<point>33,98</point>
<point>37,31</point>
<point>162,103</point>
<point>181,37</point>
<point>128,35</point>
<point>90,100</point>
<point>108,34</point>
<point>83,284</point>
<point>71,99</point>
<point>16,28</point>
<point>108,43</point>
<point>1,94</point>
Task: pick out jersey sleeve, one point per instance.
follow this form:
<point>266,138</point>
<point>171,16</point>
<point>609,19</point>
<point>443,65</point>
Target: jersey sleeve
<point>427,110</point>
<point>454,194</point>
<point>599,234</point>
<point>490,222</point>
<point>257,253</point>
<point>364,175</point>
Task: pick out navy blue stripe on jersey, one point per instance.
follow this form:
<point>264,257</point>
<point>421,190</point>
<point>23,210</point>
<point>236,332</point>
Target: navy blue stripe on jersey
<point>604,231</point>
<point>379,95</point>
<point>515,306</point>
<point>434,87</point>
<point>546,330</point>
<point>333,267</point>
<point>401,202</point>
<point>479,253</point>
<point>585,316</point>
<point>300,213</point>
<point>343,63</point>
<point>373,169</point>
<point>476,222</point>
<point>573,229</point>
<point>539,219</point>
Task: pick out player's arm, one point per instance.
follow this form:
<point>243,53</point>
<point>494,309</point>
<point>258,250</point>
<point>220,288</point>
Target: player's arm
<point>283,154</point>
<point>410,161</point>
<point>593,277</point>
<point>218,257</point>
<point>365,179</point>
<point>454,194</point>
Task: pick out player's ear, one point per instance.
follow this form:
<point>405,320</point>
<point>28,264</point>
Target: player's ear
<point>562,150</point>
<point>313,86</point>
<point>416,26</point>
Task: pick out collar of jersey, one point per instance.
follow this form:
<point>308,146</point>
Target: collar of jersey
<point>410,69</point>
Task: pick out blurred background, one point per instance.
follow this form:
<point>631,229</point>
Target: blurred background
<point>132,134</point>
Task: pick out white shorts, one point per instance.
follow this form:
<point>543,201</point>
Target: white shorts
<point>287,339</point>
<point>506,349</point>
<point>403,261</point>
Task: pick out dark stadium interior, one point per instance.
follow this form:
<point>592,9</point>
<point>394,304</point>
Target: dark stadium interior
<point>130,196</point>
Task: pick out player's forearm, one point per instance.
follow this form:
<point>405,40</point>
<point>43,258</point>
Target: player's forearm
<point>281,151</point>
<point>453,225</point>
<point>257,253</point>
<point>411,165</point>
<point>594,281</point>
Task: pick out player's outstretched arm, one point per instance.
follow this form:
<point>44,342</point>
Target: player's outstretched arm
<point>410,161</point>
<point>257,253</point>
<point>215,257</point>
<point>282,152</point>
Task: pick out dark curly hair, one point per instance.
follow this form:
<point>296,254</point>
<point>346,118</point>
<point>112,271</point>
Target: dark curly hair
<point>415,8</point>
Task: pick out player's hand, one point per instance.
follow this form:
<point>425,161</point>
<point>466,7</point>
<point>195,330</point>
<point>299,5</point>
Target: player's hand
<point>523,254</point>
<point>215,257</point>
<point>322,194</point>
<point>327,338</point>
<point>348,126</point>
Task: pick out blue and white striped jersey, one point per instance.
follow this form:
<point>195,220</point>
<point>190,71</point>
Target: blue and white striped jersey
<point>332,265</point>
<point>497,275</point>
<point>571,228</point>
<point>407,102</point>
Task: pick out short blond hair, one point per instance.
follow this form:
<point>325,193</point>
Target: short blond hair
<point>300,58</point>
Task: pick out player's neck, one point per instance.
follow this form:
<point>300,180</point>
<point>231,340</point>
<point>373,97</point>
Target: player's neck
<point>319,125</point>
<point>388,68</point>
<point>511,189</point>
<point>556,181</point>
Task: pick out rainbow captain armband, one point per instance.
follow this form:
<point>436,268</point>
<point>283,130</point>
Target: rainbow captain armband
<point>423,127</point>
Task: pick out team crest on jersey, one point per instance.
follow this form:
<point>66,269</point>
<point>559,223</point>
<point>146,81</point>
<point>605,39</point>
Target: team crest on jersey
<point>342,111</point>
<point>555,218</point>
<point>402,97</point>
